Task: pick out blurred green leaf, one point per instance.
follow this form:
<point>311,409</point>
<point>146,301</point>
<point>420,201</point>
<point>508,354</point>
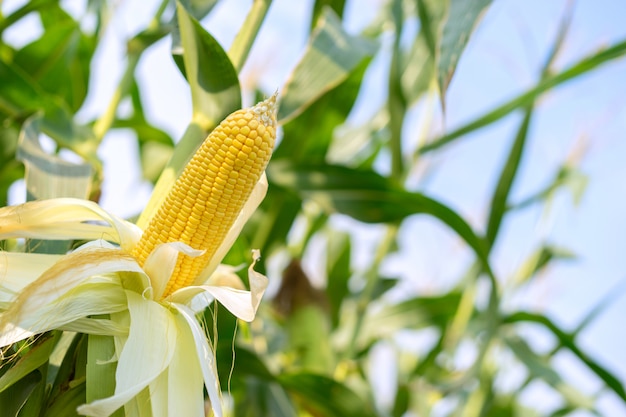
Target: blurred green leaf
<point>581,67</point>
<point>337,6</point>
<point>539,367</point>
<point>338,272</point>
<point>27,8</point>
<point>242,44</point>
<point>326,397</point>
<point>315,126</point>
<point>396,98</point>
<point>330,57</point>
<point>505,182</point>
<point>260,399</point>
<point>48,175</point>
<point>13,399</point>
<point>463,16</point>
<point>200,8</point>
<point>100,371</point>
<point>67,403</point>
<point>65,364</point>
<point>430,14</point>
<point>539,259</point>
<point>366,196</point>
<point>402,401</point>
<point>155,146</point>
<point>31,360</point>
<point>602,305</point>
<point>273,223</point>
<point>59,61</point>
<point>415,313</point>
<point>215,91</point>
<point>567,176</point>
<point>20,97</point>
<point>566,340</point>
<point>10,171</point>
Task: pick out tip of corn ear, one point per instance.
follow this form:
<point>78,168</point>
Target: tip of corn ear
<point>267,109</point>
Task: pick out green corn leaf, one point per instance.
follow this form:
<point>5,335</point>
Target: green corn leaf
<point>100,371</point>
<point>338,272</point>
<point>538,260</point>
<point>59,60</point>
<point>366,196</point>
<point>581,67</point>
<point>328,60</point>
<point>505,183</point>
<point>13,400</point>
<point>567,341</point>
<point>214,84</point>
<point>49,176</point>
<point>19,95</point>
<point>67,403</point>
<point>463,16</point>
<point>539,367</point>
<point>324,396</point>
<point>567,176</point>
<point>337,6</point>
<point>316,125</point>
<point>415,313</point>
<point>30,361</point>
<point>200,8</point>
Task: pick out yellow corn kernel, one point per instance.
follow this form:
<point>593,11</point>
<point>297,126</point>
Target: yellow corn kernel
<point>208,196</point>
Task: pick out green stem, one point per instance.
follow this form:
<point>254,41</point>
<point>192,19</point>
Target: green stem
<point>370,286</point>
<point>245,38</point>
<point>104,123</point>
<point>21,12</point>
<point>396,104</point>
<point>156,20</point>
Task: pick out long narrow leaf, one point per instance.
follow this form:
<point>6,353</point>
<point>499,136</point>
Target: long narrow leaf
<point>330,57</point>
<point>567,340</point>
<point>327,397</point>
<point>368,197</point>
<point>585,65</point>
<point>463,16</point>
<point>507,176</point>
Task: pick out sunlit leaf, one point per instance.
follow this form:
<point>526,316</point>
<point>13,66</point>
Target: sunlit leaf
<point>20,96</point>
<point>66,403</point>
<point>48,175</point>
<point>59,61</point>
<point>13,400</point>
<point>540,259</point>
<point>31,360</point>
<point>567,341</point>
<point>324,396</point>
<point>366,196</point>
<point>330,56</point>
<point>315,126</point>
<point>581,67</point>
<point>214,84</point>
<point>509,171</point>
<point>540,368</point>
<point>463,16</point>
<point>338,272</point>
<point>415,313</point>
<point>337,6</point>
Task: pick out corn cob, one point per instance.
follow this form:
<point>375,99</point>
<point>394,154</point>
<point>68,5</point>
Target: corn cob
<point>208,196</point>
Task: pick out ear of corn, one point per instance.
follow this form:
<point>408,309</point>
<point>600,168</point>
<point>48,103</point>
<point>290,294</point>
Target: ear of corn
<point>208,196</point>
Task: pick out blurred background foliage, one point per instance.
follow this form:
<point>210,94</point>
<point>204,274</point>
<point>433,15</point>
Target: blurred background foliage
<point>331,347</point>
